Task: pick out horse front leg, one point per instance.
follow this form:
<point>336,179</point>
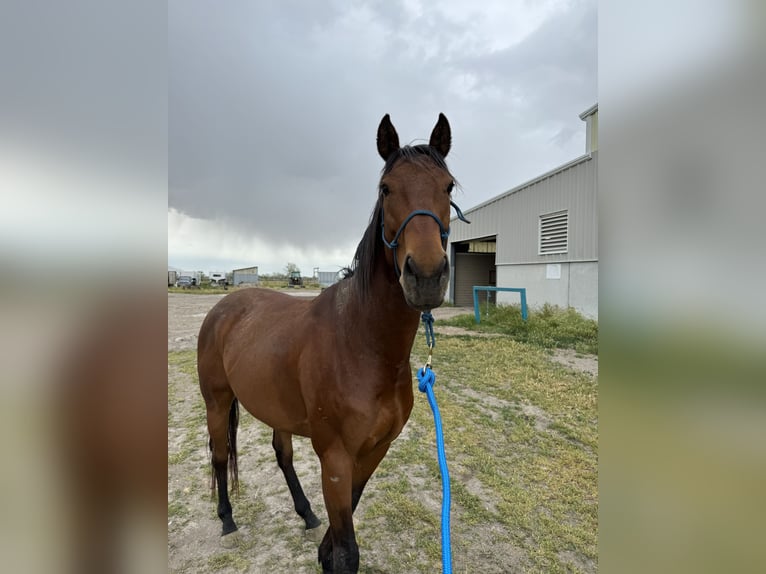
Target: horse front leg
<point>338,552</point>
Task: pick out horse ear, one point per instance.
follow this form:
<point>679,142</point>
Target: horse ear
<point>388,139</point>
<point>441,137</point>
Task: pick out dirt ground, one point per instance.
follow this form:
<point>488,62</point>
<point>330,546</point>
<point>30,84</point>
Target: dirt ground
<point>269,528</point>
<point>185,315</point>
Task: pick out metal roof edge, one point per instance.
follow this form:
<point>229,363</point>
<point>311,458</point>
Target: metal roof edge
<point>591,110</point>
<point>244,268</point>
<point>583,158</point>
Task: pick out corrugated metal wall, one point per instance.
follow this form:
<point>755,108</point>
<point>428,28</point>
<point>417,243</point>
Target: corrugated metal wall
<point>246,278</point>
<point>514,216</point>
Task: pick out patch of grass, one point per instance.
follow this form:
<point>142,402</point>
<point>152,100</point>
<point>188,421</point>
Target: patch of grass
<point>547,327</point>
<point>186,361</point>
<point>177,509</point>
<point>233,560</point>
<point>184,419</point>
<point>181,455</point>
<point>397,511</point>
<point>473,510</point>
<point>199,290</point>
<point>521,439</point>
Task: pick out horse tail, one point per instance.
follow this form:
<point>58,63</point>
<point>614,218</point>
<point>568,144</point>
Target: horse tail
<point>212,469</point>
<point>233,424</point>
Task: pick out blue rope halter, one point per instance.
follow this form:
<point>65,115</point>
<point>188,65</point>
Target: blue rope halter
<point>394,243</point>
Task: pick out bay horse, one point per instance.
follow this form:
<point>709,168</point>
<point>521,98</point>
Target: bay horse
<point>335,369</point>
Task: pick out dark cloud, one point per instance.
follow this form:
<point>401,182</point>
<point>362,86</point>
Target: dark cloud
<point>274,107</point>
<point>550,71</point>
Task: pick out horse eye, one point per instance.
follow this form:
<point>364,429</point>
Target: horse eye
<point>384,189</point>
<point>450,187</point>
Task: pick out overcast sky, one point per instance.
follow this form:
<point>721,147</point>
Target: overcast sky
<point>274,108</point>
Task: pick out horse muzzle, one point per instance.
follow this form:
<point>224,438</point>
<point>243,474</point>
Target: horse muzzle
<point>424,287</point>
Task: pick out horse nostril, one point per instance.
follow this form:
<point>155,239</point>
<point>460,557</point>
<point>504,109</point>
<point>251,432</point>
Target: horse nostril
<point>409,266</point>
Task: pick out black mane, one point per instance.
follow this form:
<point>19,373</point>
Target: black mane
<point>369,247</point>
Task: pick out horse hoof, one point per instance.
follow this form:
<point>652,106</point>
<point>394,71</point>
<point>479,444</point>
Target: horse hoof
<point>313,522</point>
<point>231,540</point>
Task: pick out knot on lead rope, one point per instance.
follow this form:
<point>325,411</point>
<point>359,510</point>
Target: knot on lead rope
<point>426,378</point>
<point>428,323</point>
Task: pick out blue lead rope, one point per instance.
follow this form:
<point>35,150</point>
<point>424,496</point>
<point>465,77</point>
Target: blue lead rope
<point>428,323</point>
<point>426,380</point>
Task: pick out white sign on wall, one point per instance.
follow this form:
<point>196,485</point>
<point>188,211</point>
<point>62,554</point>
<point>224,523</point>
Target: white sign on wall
<point>553,271</point>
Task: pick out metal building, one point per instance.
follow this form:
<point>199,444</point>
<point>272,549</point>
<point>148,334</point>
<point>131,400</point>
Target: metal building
<point>245,276</point>
<point>541,235</point>
<point>327,278</point>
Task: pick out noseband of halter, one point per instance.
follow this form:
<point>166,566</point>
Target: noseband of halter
<point>394,243</point>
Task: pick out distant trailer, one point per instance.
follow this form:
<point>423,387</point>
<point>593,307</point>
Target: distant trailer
<point>217,278</point>
<point>245,276</point>
<point>327,278</point>
<point>172,277</point>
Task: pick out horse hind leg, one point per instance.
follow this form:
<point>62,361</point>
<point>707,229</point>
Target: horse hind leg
<point>283,447</point>
<point>222,422</point>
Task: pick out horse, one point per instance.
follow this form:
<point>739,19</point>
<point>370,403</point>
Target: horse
<point>335,369</point>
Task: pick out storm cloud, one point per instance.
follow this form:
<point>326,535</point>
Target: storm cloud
<point>274,107</point>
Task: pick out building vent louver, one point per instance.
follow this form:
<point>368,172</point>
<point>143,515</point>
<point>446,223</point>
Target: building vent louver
<point>554,232</point>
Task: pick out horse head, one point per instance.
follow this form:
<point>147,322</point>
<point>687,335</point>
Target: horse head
<point>415,197</point>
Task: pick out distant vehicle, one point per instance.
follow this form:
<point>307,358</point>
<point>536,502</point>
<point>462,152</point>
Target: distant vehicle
<point>217,278</point>
<point>172,277</point>
<point>185,282</point>
<point>295,279</point>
